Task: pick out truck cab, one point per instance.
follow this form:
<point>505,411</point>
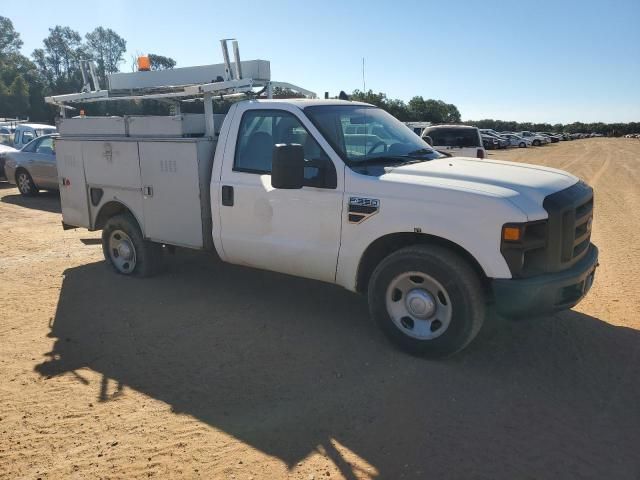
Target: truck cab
<point>25,132</point>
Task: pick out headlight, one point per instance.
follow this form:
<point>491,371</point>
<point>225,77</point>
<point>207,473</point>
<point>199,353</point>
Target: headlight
<point>523,246</point>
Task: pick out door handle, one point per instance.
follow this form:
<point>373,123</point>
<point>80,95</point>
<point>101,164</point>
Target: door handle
<point>227,196</point>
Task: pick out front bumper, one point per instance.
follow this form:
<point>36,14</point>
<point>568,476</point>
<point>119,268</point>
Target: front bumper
<point>546,293</point>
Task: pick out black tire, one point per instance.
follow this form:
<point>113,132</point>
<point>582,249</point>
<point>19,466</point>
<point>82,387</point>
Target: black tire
<point>26,185</point>
<point>522,145</point>
<point>536,143</point>
<point>462,286</point>
<point>147,255</point>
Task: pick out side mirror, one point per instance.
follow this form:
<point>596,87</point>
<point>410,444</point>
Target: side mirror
<point>287,166</point>
<point>428,139</point>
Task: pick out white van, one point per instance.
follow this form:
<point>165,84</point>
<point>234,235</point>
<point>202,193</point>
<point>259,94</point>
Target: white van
<point>456,140</point>
<point>25,132</point>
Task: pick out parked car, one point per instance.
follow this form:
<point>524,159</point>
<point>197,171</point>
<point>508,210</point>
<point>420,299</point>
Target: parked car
<point>490,142</point>
<point>555,138</point>
<point>516,140</point>
<point>490,131</point>
<point>26,132</point>
<point>4,150</point>
<point>418,127</point>
<point>456,140</point>
<point>34,166</point>
<point>536,140</point>
<point>503,142</point>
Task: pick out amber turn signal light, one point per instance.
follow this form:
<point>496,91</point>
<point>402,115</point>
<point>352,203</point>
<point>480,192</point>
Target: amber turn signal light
<point>511,234</point>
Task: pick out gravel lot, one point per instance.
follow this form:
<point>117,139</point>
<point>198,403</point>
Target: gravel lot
<point>218,371</point>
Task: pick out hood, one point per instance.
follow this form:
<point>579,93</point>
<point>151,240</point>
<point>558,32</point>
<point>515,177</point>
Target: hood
<point>526,186</point>
<point>6,149</point>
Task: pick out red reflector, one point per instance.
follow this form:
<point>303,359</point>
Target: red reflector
<point>480,153</point>
<point>66,182</point>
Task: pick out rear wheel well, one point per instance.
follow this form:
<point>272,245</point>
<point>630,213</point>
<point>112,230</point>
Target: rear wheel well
<point>109,210</point>
<point>384,246</point>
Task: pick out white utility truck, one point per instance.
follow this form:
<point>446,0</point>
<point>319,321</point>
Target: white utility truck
<point>283,185</point>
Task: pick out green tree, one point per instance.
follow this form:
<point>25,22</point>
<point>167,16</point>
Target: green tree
<point>10,41</point>
<point>18,97</point>
<point>435,111</point>
<point>160,62</point>
<point>59,61</point>
<point>279,92</point>
<point>378,99</point>
<point>107,48</point>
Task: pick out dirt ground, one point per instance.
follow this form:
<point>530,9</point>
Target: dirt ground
<point>218,371</point>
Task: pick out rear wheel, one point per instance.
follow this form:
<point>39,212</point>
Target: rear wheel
<point>25,183</point>
<point>536,143</point>
<point>427,300</point>
<point>522,145</point>
<point>126,250</point>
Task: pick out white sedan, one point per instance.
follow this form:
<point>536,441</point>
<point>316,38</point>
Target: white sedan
<point>517,140</point>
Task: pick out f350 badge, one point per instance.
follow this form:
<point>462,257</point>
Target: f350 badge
<point>361,208</point>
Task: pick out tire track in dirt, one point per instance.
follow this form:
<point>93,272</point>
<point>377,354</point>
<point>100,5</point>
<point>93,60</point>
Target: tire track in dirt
<point>596,176</point>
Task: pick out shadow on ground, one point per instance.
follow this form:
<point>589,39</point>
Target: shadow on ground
<point>288,366</point>
<point>46,200</point>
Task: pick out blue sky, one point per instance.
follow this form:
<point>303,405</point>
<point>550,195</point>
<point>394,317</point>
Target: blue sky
<point>553,61</point>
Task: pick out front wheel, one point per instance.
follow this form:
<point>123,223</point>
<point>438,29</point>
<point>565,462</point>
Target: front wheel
<point>427,300</point>
<point>26,185</point>
<point>126,250</point>
<point>536,143</point>
<point>523,145</point>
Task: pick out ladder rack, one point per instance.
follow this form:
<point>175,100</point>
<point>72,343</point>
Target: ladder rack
<point>207,82</point>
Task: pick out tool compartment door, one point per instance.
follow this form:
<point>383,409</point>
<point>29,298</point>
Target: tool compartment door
<point>72,182</point>
<point>171,193</point>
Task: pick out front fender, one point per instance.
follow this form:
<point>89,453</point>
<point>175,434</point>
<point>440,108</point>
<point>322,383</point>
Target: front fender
<point>470,220</point>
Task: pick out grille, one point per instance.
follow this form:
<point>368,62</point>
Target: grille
<point>569,225</point>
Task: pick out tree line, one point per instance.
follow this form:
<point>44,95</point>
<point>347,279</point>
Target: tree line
<point>437,112</point>
<point>55,69</point>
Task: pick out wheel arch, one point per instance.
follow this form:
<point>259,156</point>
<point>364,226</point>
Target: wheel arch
<point>387,244</point>
<point>111,209</point>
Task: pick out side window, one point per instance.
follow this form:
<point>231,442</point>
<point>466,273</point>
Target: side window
<point>260,130</point>
<point>45,146</point>
<point>32,146</point>
<point>27,137</point>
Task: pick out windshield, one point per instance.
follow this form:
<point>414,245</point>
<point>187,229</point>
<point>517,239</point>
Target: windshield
<point>363,135</point>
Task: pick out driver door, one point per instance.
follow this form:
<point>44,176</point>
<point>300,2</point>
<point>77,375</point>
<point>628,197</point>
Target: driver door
<point>289,231</point>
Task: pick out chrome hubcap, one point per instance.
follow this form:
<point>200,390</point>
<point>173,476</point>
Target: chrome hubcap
<point>419,305</point>
<point>122,252</point>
